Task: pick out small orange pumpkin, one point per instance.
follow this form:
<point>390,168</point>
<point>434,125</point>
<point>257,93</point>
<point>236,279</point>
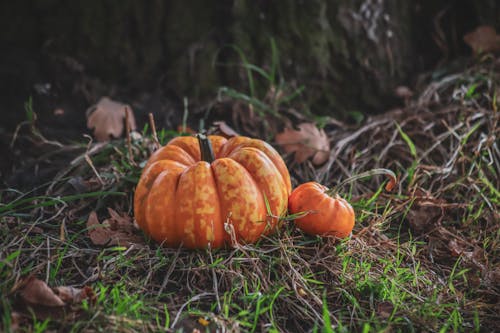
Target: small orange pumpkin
<point>201,190</point>
<point>327,214</point>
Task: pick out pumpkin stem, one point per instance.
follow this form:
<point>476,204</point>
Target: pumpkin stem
<point>389,186</point>
<point>207,152</point>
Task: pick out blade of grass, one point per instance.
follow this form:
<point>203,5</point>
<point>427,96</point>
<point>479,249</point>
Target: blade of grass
<point>245,61</point>
<point>327,323</point>
<point>407,139</point>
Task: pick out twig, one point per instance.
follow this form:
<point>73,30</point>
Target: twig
<point>157,144</point>
<point>89,162</point>
<point>192,299</point>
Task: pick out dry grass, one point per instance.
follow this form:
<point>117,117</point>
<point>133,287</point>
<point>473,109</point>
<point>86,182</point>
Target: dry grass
<point>422,258</point>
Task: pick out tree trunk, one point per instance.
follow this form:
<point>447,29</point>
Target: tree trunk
<point>350,55</point>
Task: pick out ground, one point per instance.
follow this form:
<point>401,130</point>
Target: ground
<point>422,257</point>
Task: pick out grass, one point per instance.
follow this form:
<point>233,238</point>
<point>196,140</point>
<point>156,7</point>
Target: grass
<point>423,257</point>
<point>269,96</point>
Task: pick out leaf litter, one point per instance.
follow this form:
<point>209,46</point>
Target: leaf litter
<point>107,117</point>
<point>439,222</point>
<point>307,142</point>
<point>483,39</point>
<point>118,229</point>
<point>35,298</point>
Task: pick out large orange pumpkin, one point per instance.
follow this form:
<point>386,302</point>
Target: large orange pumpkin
<point>228,190</point>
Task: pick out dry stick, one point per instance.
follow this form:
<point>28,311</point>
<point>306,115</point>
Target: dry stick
<point>91,150</point>
<point>62,229</point>
<point>129,141</point>
<point>153,130</point>
<point>192,299</point>
<point>323,172</point>
<point>34,132</point>
<point>48,261</point>
<point>89,161</point>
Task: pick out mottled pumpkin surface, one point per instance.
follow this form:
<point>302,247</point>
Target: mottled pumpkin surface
<point>181,200</point>
<point>327,216</point>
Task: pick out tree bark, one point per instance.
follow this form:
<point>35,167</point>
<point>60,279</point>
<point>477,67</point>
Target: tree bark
<point>350,55</point>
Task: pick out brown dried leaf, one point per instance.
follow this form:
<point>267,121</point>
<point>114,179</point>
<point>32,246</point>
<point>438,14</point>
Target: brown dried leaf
<point>308,141</point>
<point>224,129</point>
<point>482,40</point>
<point>37,292</point>
<point>72,295</point>
<point>107,119</point>
<point>119,229</point>
<point>98,233</point>
<point>492,277</point>
<point>36,298</point>
<point>403,92</point>
<point>59,112</point>
<point>384,309</point>
<point>119,221</point>
<point>455,248</point>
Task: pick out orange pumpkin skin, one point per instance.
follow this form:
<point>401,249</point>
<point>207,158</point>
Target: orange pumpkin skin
<point>181,200</point>
<point>329,216</point>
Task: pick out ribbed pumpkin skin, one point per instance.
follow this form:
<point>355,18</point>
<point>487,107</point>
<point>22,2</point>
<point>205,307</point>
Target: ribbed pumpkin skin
<point>182,200</point>
<point>329,216</point>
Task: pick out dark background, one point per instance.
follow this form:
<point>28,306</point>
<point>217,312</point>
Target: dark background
<point>349,55</point>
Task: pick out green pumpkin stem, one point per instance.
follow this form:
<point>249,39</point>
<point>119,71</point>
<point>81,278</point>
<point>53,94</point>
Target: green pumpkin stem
<point>392,182</point>
<point>207,152</point>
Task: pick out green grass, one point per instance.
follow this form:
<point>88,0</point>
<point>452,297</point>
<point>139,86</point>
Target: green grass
<point>390,275</point>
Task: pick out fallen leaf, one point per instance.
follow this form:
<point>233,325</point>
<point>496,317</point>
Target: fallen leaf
<point>473,258</point>
<point>58,112</point>
<point>119,221</point>
<point>107,119</point>
<point>385,309</point>
<point>37,292</point>
<point>72,295</point>
<point>308,141</point>
<point>455,249</point>
<point>118,229</point>
<point>223,129</point>
<point>492,277</point>
<point>34,298</point>
<point>403,92</point>
<point>482,40</point>
<point>98,233</point>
